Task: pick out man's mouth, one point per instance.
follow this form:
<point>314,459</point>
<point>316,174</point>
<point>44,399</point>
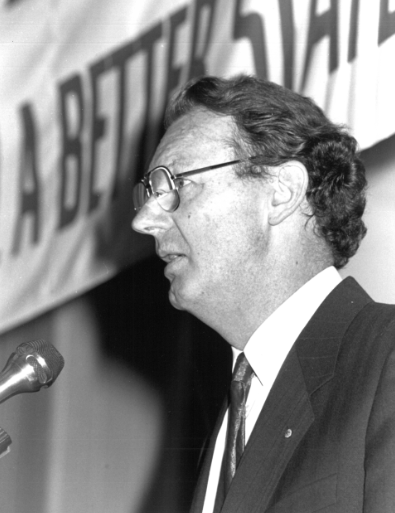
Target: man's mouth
<point>170,257</point>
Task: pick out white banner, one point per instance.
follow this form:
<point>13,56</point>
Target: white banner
<point>82,90</point>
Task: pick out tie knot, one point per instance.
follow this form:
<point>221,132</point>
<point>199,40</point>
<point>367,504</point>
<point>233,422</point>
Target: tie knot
<point>243,370</point>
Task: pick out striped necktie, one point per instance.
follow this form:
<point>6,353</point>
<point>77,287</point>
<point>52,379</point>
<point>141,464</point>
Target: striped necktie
<point>235,438</point>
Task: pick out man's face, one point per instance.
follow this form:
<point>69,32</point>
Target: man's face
<point>214,244</point>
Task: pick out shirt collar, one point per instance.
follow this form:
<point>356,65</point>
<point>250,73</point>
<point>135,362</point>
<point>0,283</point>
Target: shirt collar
<point>269,345</point>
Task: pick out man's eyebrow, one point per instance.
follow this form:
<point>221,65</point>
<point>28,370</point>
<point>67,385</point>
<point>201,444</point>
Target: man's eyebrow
<point>151,168</point>
<point>174,166</point>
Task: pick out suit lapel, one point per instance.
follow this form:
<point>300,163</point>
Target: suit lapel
<point>319,343</point>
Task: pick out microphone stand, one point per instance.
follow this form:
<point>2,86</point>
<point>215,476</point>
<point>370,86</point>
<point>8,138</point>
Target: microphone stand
<point>5,442</point>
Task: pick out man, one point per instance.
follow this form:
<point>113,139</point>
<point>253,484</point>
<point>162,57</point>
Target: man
<point>255,199</point>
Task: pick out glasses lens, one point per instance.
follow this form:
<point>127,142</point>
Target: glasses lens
<point>140,196</point>
<point>163,189</point>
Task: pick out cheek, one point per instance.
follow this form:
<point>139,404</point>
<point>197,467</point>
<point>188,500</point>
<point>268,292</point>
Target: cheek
<point>222,237</point>
<point>219,252</point>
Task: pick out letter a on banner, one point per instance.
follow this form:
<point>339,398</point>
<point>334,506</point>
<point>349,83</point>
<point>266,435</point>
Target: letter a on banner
<point>29,200</point>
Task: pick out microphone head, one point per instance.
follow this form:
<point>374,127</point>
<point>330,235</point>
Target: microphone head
<point>45,359</point>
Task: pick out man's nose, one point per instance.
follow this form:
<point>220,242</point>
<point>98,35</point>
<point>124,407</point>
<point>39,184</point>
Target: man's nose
<point>151,219</point>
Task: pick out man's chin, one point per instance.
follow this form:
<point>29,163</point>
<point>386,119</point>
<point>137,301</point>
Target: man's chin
<point>174,301</point>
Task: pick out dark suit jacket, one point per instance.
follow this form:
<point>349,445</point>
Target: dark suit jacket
<point>336,393</point>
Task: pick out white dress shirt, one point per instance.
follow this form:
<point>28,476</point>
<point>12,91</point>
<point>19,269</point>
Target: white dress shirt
<point>266,351</point>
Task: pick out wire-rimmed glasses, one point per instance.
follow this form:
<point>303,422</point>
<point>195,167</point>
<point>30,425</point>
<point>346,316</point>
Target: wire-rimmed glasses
<point>163,185</point>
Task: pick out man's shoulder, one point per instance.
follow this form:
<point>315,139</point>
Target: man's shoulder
<point>349,293</point>
<point>349,299</point>
<point>347,314</point>
<point>370,334</point>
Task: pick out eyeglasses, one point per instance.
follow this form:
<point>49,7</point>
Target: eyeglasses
<point>164,186</point>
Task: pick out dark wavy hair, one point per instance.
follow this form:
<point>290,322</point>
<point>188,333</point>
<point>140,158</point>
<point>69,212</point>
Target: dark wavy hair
<point>282,125</point>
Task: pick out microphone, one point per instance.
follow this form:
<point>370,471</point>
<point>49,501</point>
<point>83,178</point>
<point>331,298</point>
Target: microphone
<point>31,366</point>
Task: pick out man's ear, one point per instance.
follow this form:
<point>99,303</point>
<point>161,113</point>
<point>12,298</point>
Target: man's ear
<point>289,184</point>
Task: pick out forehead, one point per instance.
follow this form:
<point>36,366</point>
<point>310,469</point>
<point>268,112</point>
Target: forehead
<point>197,138</point>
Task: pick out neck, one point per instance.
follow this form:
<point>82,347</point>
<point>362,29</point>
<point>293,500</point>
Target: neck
<point>237,322</point>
